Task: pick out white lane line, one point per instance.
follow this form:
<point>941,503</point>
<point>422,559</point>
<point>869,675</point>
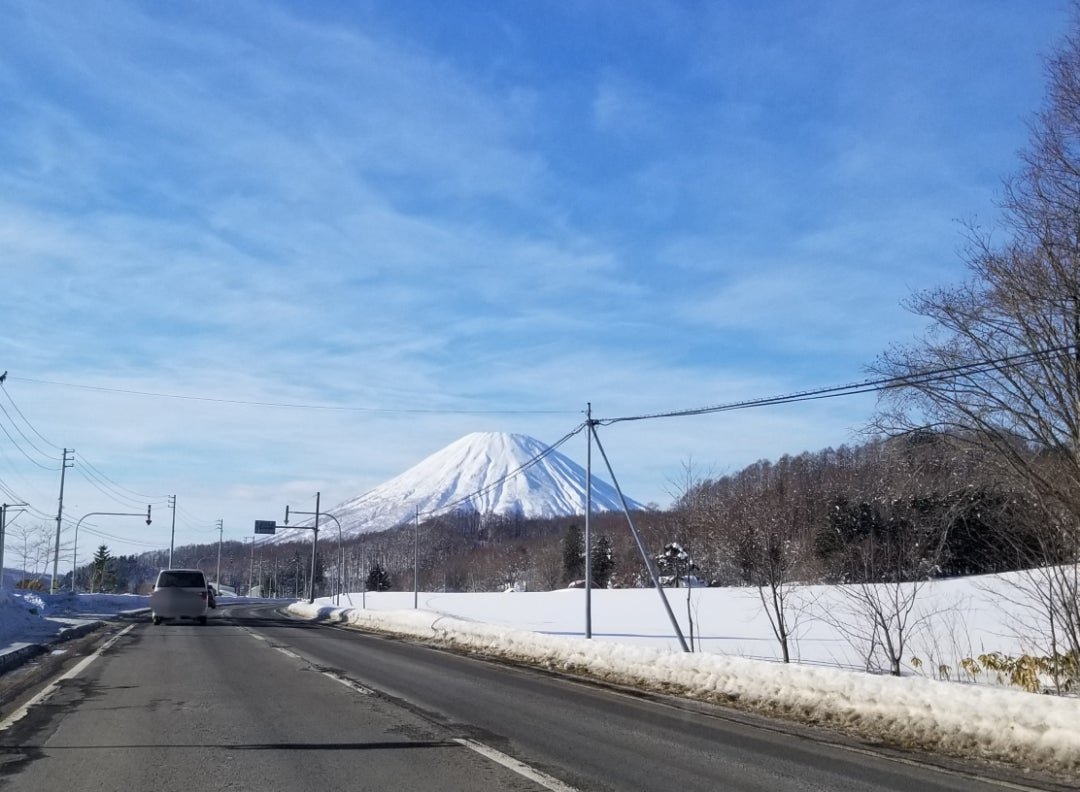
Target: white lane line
<point>75,670</point>
<point>522,769</point>
<point>349,683</point>
<point>330,674</point>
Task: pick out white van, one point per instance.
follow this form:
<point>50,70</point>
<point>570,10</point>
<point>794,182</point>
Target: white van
<point>180,594</point>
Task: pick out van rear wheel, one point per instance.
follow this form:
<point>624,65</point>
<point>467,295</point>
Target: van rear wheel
<point>202,620</point>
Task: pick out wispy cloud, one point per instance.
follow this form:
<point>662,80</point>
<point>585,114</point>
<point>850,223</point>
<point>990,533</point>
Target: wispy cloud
<point>497,210</point>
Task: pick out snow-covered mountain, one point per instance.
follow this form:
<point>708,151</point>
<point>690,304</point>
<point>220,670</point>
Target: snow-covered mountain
<point>481,472</point>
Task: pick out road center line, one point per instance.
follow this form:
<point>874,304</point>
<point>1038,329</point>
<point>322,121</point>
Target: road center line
<point>522,769</point>
<point>349,683</point>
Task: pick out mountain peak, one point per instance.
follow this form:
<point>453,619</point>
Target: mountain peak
<point>482,472</point>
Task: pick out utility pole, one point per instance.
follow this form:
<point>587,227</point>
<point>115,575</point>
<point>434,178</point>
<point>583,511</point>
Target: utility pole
<point>221,530</point>
<point>650,565</point>
<point>3,536</point>
<point>251,568</point>
<point>59,517</point>
<point>314,546</point>
<point>588,513</point>
<point>172,538</point>
<point>416,561</point>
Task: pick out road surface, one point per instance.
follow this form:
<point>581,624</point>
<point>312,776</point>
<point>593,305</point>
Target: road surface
<point>255,701</point>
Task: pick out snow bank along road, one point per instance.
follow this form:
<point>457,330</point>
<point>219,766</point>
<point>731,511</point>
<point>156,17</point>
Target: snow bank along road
<point>962,720</point>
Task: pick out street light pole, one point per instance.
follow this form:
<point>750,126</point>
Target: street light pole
<point>341,545</point>
<point>221,530</point>
<point>314,542</point>
<point>172,537</point>
<point>75,546</point>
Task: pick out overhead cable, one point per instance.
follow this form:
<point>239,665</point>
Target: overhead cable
<point>18,429</point>
<point>140,495</point>
<point>295,405</point>
<point>22,451</point>
<point>855,388</point>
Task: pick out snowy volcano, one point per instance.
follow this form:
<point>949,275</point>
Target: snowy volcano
<point>486,473</point>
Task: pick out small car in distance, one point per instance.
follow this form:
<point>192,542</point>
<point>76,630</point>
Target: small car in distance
<point>180,594</point>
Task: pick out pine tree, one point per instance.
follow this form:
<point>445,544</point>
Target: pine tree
<point>102,573</point>
<point>603,562</point>
<point>378,579</point>
<point>675,563</point>
<point>573,547</point>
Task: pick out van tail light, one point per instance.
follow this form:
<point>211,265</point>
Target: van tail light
<point>203,595</point>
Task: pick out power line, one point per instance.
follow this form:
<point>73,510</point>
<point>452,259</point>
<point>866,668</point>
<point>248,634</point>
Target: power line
<point>21,432</point>
<point>114,538</point>
<point>155,498</point>
<point>16,498</point>
<point>22,451</point>
<point>855,388</point>
<point>194,518</point>
<point>294,405</point>
<point>26,420</point>
<point>105,490</point>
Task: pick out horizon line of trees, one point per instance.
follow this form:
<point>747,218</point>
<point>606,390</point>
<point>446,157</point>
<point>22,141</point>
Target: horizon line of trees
<point>898,509</point>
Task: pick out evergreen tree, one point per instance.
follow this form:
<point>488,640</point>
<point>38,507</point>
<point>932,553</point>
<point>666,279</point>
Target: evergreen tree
<point>573,547</point>
<point>378,579</point>
<point>675,563</point>
<point>103,574</point>
<point>603,562</point>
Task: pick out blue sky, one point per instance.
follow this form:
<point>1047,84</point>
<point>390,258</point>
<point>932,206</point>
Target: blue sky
<point>424,219</point>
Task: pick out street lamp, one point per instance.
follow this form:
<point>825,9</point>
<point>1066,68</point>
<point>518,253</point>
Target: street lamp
<point>341,548</point>
<point>314,542</point>
<point>75,547</point>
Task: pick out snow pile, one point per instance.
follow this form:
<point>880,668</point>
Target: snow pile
<point>960,719</point>
<point>36,617</point>
<point>21,617</point>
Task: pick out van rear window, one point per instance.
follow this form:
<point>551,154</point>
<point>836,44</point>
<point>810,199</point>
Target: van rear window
<point>171,579</point>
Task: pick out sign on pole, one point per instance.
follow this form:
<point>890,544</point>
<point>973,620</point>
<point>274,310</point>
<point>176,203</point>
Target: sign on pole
<point>265,526</point>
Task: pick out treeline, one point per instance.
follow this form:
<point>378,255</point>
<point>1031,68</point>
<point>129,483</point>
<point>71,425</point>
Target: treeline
<point>913,507</point>
<point>920,505</point>
<point>907,508</point>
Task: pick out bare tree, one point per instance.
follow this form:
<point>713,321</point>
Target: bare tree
<point>1005,346</point>
<point>31,548</point>
<point>772,550</point>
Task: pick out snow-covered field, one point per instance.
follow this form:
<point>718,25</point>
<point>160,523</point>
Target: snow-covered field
<point>736,661</point>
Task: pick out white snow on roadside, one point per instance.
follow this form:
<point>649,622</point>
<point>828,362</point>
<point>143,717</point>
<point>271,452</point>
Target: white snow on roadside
<point>35,617</point>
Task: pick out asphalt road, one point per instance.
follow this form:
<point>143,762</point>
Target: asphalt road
<point>253,701</point>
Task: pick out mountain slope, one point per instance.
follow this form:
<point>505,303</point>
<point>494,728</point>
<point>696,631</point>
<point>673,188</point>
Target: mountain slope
<point>477,473</point>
